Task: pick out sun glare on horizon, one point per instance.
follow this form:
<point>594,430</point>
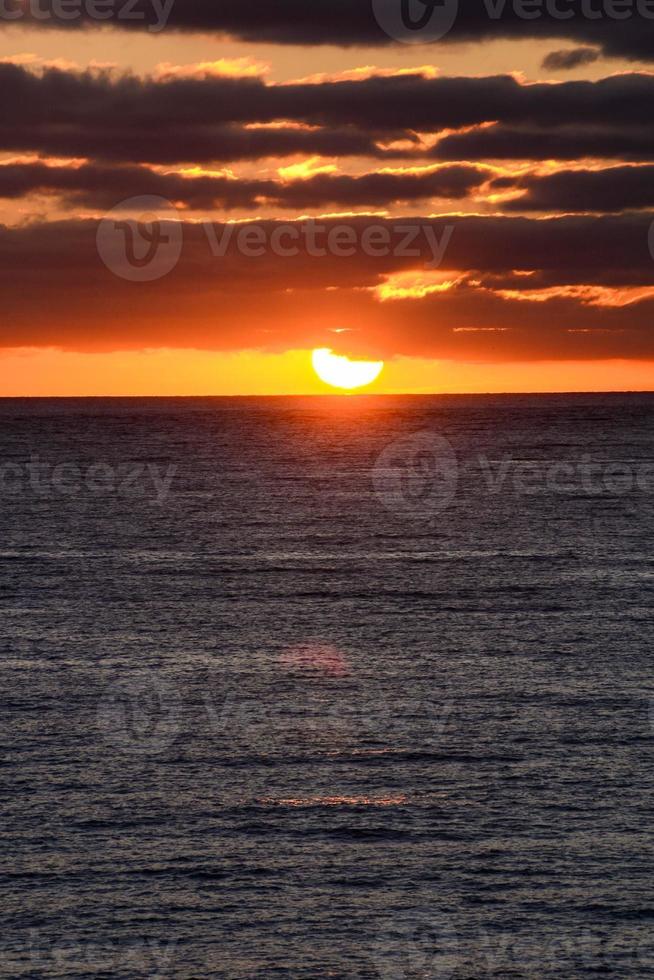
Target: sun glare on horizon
<point>342,372</point>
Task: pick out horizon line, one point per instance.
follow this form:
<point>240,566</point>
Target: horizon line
<point>346,395</point>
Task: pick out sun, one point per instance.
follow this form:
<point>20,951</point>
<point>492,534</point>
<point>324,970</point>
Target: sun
<point>340,372</point>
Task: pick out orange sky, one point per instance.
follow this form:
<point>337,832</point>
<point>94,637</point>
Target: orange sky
<point>189,372</point>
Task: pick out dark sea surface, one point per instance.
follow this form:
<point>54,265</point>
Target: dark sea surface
<point>327,687</point>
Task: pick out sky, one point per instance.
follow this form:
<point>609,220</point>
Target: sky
<point>196,198</point>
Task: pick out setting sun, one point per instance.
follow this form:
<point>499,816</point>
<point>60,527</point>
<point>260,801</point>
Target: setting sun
<point>341,372</point>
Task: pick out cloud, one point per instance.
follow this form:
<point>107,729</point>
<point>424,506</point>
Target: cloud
<point>492,309</point>
<point>613,189</point>
<point>352,22</point>
<point>92,185</point>
<point>564,143</point>
<point>102,187</point>
<point>570,58</point>
<point>219,68</point>
<point>219,117</point>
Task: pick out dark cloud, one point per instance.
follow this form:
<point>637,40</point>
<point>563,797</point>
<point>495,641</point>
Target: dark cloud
<point>102,186</point>
<point>571,58</point>
<point>614,189</point>
<point>276,302</point>
<point>565,143</point>
<point>625,31</point>
<point>129,119</point>
<point>381,189</point>
<point>610,190</point>
<point>192,144</point>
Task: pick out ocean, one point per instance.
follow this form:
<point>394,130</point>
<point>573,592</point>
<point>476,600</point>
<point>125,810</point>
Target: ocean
<point>351,687</point>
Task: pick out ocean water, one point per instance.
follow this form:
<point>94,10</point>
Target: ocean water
<point>327,687</point>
